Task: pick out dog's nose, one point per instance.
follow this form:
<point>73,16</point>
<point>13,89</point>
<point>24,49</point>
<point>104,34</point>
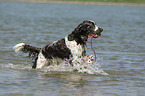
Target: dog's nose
<point>100,29</point>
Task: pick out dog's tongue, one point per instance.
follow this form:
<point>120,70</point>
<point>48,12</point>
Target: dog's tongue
<point>95,36</point>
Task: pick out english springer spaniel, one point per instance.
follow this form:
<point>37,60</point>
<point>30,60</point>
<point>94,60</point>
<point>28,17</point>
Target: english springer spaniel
<point>70,48</point>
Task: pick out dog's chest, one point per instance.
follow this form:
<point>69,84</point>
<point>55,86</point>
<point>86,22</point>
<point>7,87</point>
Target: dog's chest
<point>76,49</point>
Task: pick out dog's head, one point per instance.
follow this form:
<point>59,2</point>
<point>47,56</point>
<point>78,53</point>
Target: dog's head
<point>86,29</point>
<point>89,29</point>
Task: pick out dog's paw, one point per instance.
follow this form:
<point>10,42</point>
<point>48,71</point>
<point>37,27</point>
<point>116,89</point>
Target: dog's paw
<point>90,59</point>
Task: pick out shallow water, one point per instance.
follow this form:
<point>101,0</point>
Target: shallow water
<point>120,50</point>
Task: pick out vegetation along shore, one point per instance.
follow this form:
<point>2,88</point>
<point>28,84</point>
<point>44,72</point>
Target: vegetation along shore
<point>97,2</point>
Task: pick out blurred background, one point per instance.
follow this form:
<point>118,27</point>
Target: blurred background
<point>120,50</point>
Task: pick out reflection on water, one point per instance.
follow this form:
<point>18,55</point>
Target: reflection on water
<point>78,83</point>
<point>120,49</point>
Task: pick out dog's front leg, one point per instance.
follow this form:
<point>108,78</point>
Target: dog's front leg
<point>89,59</point>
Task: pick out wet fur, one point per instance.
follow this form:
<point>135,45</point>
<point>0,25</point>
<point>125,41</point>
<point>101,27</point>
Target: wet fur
<point>72,46</point>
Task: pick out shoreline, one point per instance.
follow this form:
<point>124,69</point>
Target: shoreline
<point>80,2</point>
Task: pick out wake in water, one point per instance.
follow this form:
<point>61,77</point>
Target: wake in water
<point>80,66</point>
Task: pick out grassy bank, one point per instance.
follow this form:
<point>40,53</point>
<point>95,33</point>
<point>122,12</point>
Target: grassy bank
<point>110,1</point>
<point>97,2</point>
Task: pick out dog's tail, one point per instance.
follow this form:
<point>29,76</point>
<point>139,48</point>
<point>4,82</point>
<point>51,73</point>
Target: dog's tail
<point>33,51</point>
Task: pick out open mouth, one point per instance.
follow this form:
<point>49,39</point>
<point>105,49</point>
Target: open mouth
<point>96,33</point>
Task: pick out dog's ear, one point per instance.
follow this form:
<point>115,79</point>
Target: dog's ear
<point>85,28</point>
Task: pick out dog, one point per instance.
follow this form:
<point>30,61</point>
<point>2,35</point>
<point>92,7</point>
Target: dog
<point>70,48</point>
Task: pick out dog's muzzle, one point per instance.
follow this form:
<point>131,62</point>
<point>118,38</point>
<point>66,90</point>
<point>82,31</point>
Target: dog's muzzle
<point>97,32</point>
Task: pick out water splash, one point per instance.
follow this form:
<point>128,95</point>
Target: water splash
<point>78,66</point>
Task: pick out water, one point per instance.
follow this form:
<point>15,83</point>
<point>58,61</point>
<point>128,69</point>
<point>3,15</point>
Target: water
<point>120,50</point>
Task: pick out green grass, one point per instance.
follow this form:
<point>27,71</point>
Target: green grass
<point>115,1</point>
